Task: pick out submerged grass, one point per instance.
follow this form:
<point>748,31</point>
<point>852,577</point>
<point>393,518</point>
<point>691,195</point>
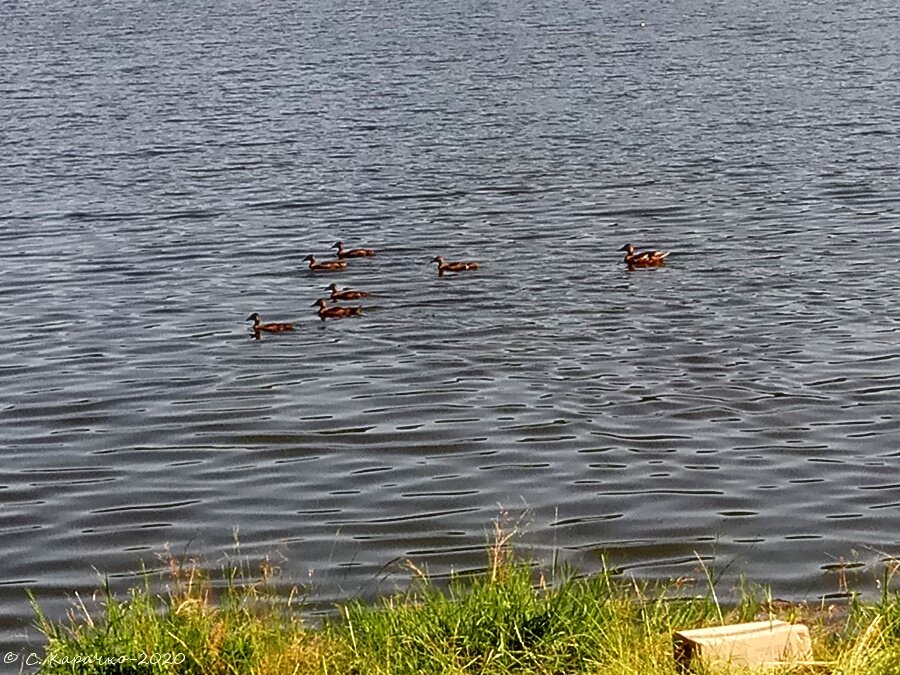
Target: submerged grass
<point>512,618</point>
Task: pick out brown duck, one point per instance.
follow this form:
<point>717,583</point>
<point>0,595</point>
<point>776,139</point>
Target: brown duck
<point>326,312</point>
<point>345,293</point>
<point>326,265</point>
<point>459,266</point>
<point>268,327</point>
<point>643,258</point>
<point>352,252</point>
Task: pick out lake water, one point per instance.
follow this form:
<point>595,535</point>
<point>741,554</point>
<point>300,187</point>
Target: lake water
<point>168,166</point>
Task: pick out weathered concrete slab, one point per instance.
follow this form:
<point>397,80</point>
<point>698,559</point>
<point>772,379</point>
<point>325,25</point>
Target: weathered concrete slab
<point>758,643</point>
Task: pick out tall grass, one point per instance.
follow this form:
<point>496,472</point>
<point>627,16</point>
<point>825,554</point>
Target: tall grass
<point>237,624</point>
<point>511,618</point>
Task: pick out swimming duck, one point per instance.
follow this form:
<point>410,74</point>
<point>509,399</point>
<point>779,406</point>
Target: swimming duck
<point>643,258</point>
<point>346,293</point>
<point>268,327</point>
<point>460,266</point>
<point>326,266</point>
<point>352,252</point>
<point>326,312</point>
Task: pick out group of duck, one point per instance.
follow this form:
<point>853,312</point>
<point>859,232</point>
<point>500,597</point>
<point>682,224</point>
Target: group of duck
<point>632,258</point>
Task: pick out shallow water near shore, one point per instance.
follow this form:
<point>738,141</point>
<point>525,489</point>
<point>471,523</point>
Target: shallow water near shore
<point>168,167</point>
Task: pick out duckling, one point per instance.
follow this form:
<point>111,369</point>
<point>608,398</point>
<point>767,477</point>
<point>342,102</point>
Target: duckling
<point>326,312</point>
<point>326,266</point>
<point>452,266</point>
<point>643,258</point>
<point>346,293</point>
<point>268,327</point>
<point>352,252</point>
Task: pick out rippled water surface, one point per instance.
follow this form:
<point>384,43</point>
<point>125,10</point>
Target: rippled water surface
<point>168,166</point>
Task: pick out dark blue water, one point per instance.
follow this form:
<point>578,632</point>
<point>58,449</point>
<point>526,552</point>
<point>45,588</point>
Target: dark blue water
<point>167,166</point>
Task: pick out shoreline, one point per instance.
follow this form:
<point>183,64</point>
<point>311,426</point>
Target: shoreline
<point>511,617</point>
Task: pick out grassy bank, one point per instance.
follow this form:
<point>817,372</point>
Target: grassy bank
<point>510,619</point>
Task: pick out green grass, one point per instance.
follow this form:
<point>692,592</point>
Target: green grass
<point>512,618</point>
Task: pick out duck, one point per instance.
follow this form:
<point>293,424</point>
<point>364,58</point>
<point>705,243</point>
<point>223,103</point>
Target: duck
<point>268,327</point>
<point>326,312</point>
<point>346,293</point>
<point>643,258</point>
<point>325,266</point>
<point>352,252</point>
<point>459,266</point>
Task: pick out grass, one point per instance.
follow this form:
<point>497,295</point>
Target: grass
<point>511,618</point>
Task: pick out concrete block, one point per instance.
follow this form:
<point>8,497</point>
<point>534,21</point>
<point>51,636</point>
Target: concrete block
<point>759,643</point>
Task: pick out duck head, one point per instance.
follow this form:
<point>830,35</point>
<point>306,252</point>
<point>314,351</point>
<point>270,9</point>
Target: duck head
<point>320,303</point>
<point>253,317</point>
<point>628,248</point>
<point>439,259</point>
